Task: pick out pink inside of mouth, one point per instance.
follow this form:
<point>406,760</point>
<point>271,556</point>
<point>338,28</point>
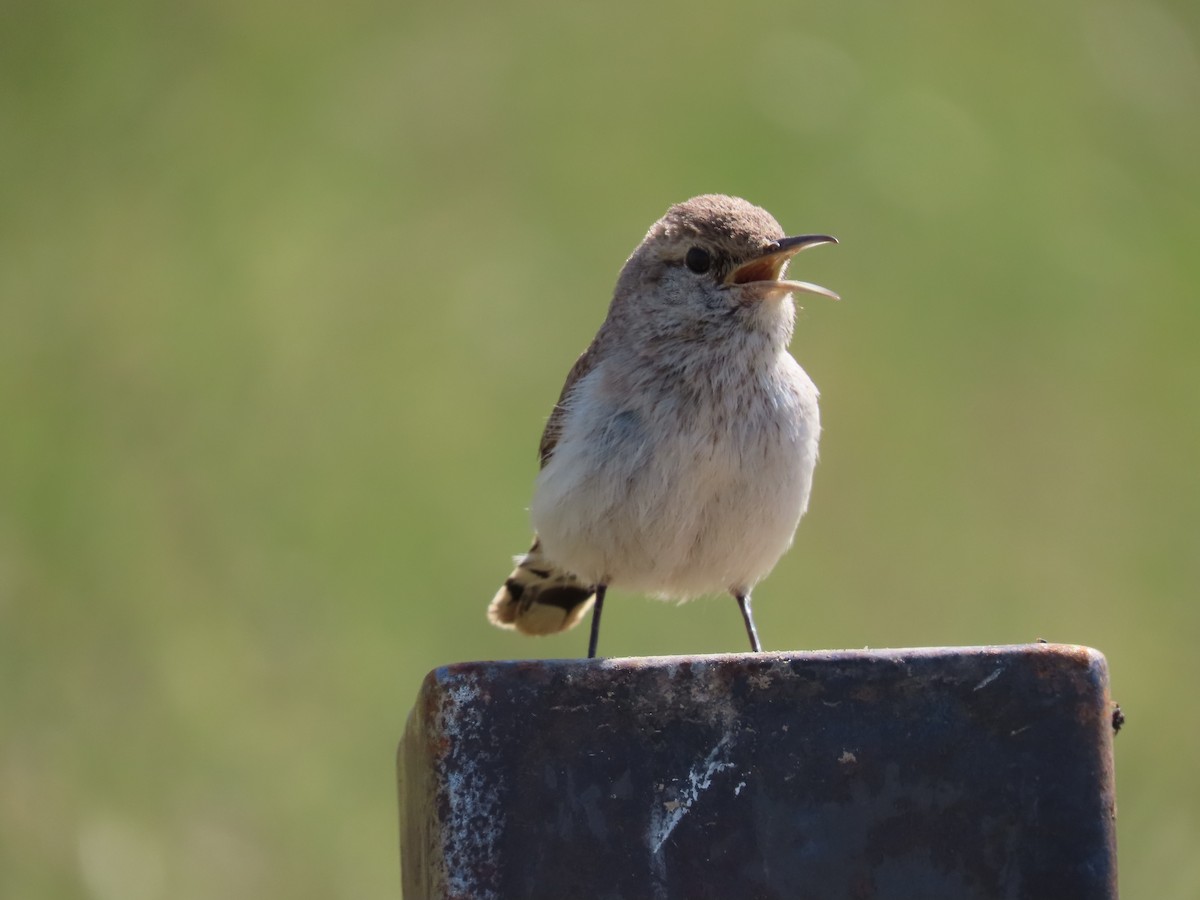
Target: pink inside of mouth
<point>769,268</point>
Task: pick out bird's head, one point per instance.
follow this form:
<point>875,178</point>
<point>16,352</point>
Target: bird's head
<point>715,259</point>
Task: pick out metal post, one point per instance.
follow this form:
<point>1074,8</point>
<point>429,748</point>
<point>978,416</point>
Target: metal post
<point>935,773</point>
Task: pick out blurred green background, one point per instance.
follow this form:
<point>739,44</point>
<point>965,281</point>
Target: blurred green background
<point>287,291</point>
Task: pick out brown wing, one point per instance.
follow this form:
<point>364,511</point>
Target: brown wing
<point>583,365</point>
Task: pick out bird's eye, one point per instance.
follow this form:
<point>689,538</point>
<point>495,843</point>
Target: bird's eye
<point>698,260</point>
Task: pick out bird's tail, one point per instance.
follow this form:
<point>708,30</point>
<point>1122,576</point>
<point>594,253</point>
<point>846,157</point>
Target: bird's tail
<point>537,598</point>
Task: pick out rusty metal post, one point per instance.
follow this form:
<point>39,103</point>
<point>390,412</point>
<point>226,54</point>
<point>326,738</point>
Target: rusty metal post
<point>937,773</point>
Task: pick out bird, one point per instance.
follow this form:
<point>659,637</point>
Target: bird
<point>678,460</point>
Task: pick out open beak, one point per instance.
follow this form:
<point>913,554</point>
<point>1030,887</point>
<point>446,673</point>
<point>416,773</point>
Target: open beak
<point>765,272</point>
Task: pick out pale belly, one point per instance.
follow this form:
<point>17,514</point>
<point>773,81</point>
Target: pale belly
<point>678,508</point>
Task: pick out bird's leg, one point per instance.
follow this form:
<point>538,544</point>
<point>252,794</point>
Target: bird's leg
<point>744,605</point>
<point>596,610</point>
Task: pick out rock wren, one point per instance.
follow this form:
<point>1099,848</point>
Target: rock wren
<point>679,457</point>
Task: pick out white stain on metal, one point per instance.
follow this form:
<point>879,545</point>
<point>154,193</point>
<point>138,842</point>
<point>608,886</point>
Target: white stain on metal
<point>665,816</point>
<point>989,679</point>
<point>475,819</point>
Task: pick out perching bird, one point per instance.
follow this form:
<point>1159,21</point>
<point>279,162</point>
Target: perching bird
<point>679,457</point>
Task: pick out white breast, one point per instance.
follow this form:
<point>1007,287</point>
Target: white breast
<point>676,495</point>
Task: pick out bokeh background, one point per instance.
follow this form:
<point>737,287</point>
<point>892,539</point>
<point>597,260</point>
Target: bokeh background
<point>287,291</point>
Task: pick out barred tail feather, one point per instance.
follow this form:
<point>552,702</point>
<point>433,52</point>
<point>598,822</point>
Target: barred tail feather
<point>537,598</point>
